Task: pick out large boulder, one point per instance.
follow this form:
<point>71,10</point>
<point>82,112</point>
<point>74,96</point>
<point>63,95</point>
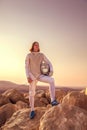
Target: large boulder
<point>44,100</point>
<point>20,120</point>
<point>3,100</point>
<point>6,112</point>
<point>63,117</point>
<point>40,99</point>
<point>14,95</point>
<point>40,93</point>
<point>77,98</point>
<point>26,96</point>
<point>59,95</point>
<point>21,105</point>
<point>40,102</point>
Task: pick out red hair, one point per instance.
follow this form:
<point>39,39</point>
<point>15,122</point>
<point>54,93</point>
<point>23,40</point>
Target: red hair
<point>32,47</point>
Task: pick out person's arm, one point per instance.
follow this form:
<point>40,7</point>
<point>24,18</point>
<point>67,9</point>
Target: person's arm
<point>51,67</point>
<point>29,75</point>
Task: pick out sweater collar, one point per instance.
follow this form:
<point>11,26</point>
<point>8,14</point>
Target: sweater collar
<point>35,53</point>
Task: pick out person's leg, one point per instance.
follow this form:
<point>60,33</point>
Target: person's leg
<point>32,88</point>
<point>50,80</point>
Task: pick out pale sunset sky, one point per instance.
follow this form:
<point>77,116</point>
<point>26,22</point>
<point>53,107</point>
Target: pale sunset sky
<point>60,26</point>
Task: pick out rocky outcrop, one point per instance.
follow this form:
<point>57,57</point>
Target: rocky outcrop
<point>40,93</point>
<point>40,99</point>
<point>14,96</point>
<point>21,105</point>
<point>20,120</point>
<point>3,100</point>
<point>63,117</point>
<point>6,112</point>
<point>59,95</point>
<point>41,102</point>
<point>70,114</point>
<point>76,98</point>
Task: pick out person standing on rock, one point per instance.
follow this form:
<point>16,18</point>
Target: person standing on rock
<point>38,68</point>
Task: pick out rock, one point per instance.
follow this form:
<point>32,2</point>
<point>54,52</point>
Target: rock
<point>21,105</point>
<point>26,96</point>
<point>20,120</point>
<point>39,103</point>
<point>82,91</point>
<point>70,115</point>
<point>64,117</point>
<point>14,95</point>
<point>44,100</point>
<point>76,98</point>
<point>6,112</point>
<point>4,100</point>
<point>48,96</point>
<point>59,94</point>
<point>40,93</point>
<point>40,99</point>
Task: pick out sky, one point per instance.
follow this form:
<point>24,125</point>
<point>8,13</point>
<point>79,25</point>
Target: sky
<point>60,27</point>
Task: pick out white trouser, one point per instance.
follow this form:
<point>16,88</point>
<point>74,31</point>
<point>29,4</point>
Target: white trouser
<point>32,87</point>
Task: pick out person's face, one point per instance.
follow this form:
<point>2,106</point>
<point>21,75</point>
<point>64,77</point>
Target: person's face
<point>36,47</point>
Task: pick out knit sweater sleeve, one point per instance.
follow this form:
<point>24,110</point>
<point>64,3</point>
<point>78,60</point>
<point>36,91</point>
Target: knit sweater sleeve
<point>48,61</point>
<point>27,68</point>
